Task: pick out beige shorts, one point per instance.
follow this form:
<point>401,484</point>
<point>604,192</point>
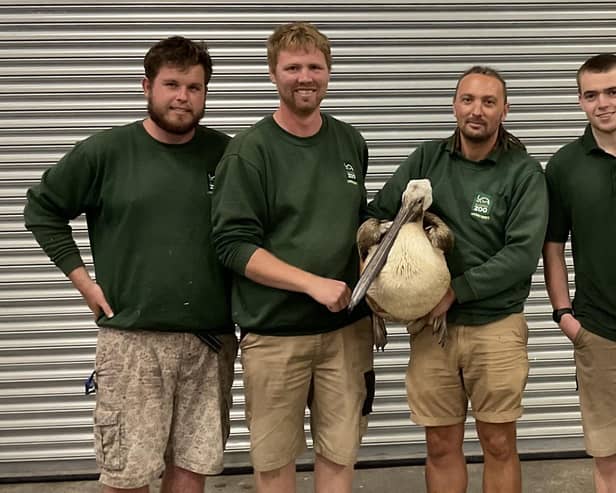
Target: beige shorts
<point>486,364</point>
<point>281,374</point>
<point>595,362</point>
<point>162,397</point>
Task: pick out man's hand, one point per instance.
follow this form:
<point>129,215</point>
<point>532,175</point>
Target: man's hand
<point>442,306</point>
<point>95,298</point>
<point>91,292</point>
<point>570,326</point>
<point>334,294</point>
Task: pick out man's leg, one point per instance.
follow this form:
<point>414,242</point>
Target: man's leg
<point>133,409</point>
<point>605,474</point>
<point>277,375</point>
<point>109,489</point>
<point>445,463</point>
<point>277,481</point>
<point>200,425</point>
<point>596,376</point>
<point>342,397</point>
<point>178,480</point>
<point>495,374</point>
<point>502,472</point>
<point>330,477</point>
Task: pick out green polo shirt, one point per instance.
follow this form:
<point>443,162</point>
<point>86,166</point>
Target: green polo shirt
<point>582,186</point>
<point>497,210</point>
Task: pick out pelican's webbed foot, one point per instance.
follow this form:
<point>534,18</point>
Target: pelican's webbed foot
<point>379,332</point>
<point>439,329</point>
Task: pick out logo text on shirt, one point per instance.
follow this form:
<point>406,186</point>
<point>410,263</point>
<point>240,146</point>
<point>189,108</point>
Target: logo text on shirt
<point>482,205</point>
<point>350,173</point>
<point>210,182</point>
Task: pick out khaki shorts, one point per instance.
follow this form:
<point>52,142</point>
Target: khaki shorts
<point>595,362</point>
<point>486,364</point>
<point>161,397</point>
<point>280,373</point>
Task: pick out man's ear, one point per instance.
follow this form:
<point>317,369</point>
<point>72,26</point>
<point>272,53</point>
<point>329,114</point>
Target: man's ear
<point>504,117</point>
<point>145,85</point>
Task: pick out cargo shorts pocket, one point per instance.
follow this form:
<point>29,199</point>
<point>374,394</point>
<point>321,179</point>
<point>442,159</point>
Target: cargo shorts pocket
<point>369,379</point>
<point>108,439</point>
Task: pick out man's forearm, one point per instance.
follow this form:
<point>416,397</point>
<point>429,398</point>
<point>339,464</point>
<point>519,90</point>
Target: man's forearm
<point>81,279</point>
<point>267,269</point>
<point>555,273</point>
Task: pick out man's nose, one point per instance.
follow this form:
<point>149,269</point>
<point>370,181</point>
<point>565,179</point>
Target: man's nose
<point>305,74</point>
<point>477,108</point>
<point>182,93</point>
<point>604,98</point>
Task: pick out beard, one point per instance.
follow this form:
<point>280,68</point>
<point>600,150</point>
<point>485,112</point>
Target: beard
<point>300,107</point>
<point>179,127</point>
<point>478,137</point>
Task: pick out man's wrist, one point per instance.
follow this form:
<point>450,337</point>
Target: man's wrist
<point>557,314</point>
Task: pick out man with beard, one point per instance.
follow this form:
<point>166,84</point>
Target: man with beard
<point>166,342</point>
<point>492,195</point>
<point>581,181</point>
<point>289,193</point>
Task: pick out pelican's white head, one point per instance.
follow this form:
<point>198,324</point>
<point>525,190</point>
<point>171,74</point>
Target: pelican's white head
<point>416,189</point>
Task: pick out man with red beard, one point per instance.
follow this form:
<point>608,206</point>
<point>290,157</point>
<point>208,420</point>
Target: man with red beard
<point>166,342</point>
<point>288,199</point>
<point>581,179</point>
<point>492,195</point>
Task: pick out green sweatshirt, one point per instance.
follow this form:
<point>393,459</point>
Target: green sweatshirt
<point>497,210</point>
<point>147,206</point>
<point>301,200</point>
<point>581,180</point>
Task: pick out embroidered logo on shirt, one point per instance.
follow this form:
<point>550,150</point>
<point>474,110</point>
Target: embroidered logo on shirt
<point>210,182</point>
<point>482,205</point>
<point>350,173</point>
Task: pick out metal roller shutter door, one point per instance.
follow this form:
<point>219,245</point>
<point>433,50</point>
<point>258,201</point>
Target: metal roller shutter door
<point>69,69</point>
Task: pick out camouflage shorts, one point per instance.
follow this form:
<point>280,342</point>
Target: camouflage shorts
<point>162,397</point>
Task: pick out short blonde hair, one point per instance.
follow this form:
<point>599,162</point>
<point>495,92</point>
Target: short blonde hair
<point>296,36</point>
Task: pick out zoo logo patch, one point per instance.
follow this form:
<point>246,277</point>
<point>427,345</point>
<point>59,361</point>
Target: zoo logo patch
<point>482,206</point>
<point>210,182</point>
<point>350,173</point>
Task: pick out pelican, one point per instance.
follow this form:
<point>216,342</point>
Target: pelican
<point>404,272</point>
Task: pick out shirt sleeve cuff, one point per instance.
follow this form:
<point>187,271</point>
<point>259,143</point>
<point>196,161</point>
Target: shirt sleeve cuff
<point>241,257</point>
<point>463,290</point>
<point>69,263</point>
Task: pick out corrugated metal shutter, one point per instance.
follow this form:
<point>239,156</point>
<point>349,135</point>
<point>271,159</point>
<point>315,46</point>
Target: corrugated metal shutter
<point>71,68</point>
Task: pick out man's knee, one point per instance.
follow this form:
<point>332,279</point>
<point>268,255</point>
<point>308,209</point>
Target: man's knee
<point>443,441</point>
<point>498,440</point>
<point>606,464</point>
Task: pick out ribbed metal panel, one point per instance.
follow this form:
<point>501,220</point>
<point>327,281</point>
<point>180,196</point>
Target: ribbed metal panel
<point>69,69</point>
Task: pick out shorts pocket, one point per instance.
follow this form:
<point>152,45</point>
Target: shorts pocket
<point>369,379</point>
<point>578,337</point>
<point>108,439</point>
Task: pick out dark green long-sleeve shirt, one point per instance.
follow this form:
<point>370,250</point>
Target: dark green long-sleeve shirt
<point>301,200</point>
<point>497,209</point>
<point>147,207</point>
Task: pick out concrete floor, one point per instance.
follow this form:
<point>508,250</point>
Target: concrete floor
<point>545,476</point>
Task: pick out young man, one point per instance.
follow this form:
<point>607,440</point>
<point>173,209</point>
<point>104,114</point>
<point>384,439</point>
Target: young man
<point>166,343</point>
<point>492,195</point>
<point>287,204</point>
<point>581,181</point>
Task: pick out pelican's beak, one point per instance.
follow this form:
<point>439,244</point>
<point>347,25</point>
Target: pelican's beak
<point>408,212</point>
